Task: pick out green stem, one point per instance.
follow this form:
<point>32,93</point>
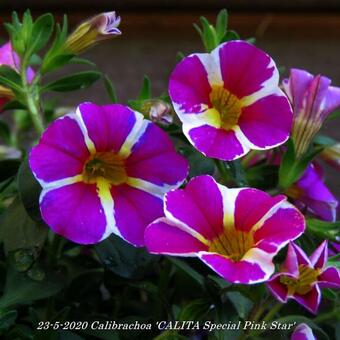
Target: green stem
<point>272,312</point>
<point>327,316</point>
<point>32,100</point>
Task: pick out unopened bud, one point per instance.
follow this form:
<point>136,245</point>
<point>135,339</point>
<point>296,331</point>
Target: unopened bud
<point>101,27</point>
<point>158,111</point>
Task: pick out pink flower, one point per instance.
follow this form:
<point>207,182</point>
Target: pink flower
<point>104,170</point>
<point>311,192</point>
<point>236,232</point>
<point>303,332</point>
<point>301,278</point>
<point>229,101</point>
<point>9,58</point>
<point>312,99</point>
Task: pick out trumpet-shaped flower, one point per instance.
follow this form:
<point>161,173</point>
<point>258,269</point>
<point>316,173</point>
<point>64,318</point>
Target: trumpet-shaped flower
<point>9,58</point>
<point>303,332</point>
<point>301,278</point>
<point>229,101</point>
<point>311,192</point>
<point>312,99</point>
<point>104,169</point>
<point>236,232</point>
<point>101,27</point>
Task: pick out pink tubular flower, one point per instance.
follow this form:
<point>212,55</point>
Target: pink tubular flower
<point>229,101</point>
<point>311,192</point>
<point>312,99</point>
<point>236,232</point>
<point>303,332</point>
<point>301,278</point>
<point>104,170</point>
<point>9,58</point>
<point>101,27</point>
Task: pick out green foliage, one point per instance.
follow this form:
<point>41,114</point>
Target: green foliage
<point>76,81</point>
<point>324,230</point>
<point>212,36</point>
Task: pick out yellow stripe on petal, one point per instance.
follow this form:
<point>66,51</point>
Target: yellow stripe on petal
<point>106,200</point>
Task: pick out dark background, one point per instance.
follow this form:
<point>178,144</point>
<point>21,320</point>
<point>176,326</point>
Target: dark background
<point>296,33</point>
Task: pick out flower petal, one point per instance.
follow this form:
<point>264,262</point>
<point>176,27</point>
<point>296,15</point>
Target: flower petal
<point>303,332</point>
<point>217,143</point>
<point>199,206</point>
<point>285,224</point>
<point>251,205</point>
<point>153,158</point>
<point>189,87</point>
<point>134,209</point>
<point>61,152</point>
<point>244,272</point>
<point>320,256</point>
<point>245,68</point>
<point>263,128</point>
<point>329,278</point>
<point>165,237</point>
<point>311,300</point>
<point>279,290</point>
<point>108,126</point>
<point>75,212</point>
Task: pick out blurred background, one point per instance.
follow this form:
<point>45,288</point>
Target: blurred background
<point>296,33</point>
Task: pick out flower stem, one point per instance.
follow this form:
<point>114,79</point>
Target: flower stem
<point>32,100</point>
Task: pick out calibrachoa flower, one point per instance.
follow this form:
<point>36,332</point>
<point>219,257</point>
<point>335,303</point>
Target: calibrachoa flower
<point>331,155</point>
<point>301,277</point>
<point>311,192</point>
<point>303,332</point>
<point>226,101</point>
<point>9,58</point>
<point>104,170</point>
<point>313,99</point>
<point>101,27</point>
<point>236,232</point>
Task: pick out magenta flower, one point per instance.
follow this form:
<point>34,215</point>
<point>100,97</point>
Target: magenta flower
<point>236,232</point>
<point>311,192</point>
<point>313,99</point>
<point>9,58</point>
<point>226,101</point>
<point>303,332</point>
<point>104,170</point>
<point>301,278</point>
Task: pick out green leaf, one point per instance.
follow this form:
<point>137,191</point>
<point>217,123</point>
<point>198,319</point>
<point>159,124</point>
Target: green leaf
<point>333,115</point>
<point>76,81</point>
<point>41,32</point>
<point>14,105</point>
<point>20,289</point>
<point>8,168</point>
<point>221,24</point>
<point>5,132</point>
<point>187,269</point>
<point>29,191</point>
<point>18,230</point>
<point>230,35</point>
<point>195,310</point>
<point>123,259</point>
<point>82,61</point>
<point>199,164</point>
<point>145,92</point>
<point>10,78</point>
<point>209,35</point>
<point>7,319</point>
<point>241,303</point>
<point>324,140</point>
<point>110,89</point>
<point>325,230</point>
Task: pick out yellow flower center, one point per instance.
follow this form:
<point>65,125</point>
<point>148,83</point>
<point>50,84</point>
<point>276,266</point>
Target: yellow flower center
<point>232,243</point>
<point>303,284</point>
<point>228,106</point>
<point>106,165</point>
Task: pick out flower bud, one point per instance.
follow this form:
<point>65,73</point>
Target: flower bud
<point>158,111</point>
<point>331,155</point>
<point>101,27</point>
